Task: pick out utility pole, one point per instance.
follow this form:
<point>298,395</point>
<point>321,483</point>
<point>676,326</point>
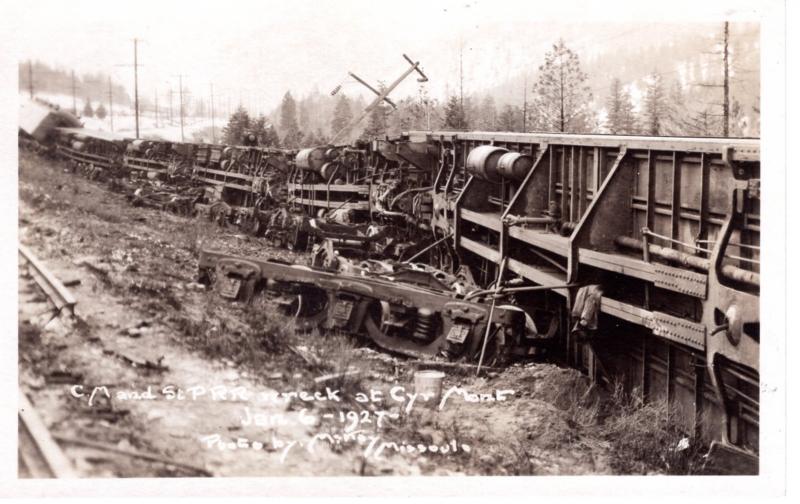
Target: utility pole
<point>180,92</point>
<point>170,106</point>
<point>461,75</point>
<point>463,112</point>
<point>726,87</point>
<point>525,105</point>
<point>381,97</point>
<point>136,82</point>
<point>366,85</point>
<point>30,78</point>
<point>461,85</point>
<point>110,105</point>
<point>74,103</point>
<point>428,114</point>
<point>213,137</point>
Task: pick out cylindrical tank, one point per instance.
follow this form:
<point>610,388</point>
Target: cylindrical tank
<point>514,166</point>
<point>482,162</point>
<point>312,159</point>
<point>327,170</point>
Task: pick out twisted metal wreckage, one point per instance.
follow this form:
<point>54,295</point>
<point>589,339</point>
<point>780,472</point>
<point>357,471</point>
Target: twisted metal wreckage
<point>477,245</point>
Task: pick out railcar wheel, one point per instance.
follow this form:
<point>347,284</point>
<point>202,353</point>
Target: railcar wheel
<point>399,344</point>
<point>493,356</point>
<point>309,309</point>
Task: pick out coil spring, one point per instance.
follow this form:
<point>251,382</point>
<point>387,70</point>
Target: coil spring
<point>424,326</point>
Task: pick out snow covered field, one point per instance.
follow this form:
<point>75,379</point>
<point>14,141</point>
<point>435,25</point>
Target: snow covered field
<point>124,121</point>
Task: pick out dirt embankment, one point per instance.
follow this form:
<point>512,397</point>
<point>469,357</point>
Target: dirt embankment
<point>146,331</point>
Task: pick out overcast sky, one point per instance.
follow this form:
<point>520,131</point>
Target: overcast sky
<point>258,50</point>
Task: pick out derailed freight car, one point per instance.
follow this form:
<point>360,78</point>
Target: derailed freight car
<point>661,233</point>
<point>635,258</point>
<point>38,123</point>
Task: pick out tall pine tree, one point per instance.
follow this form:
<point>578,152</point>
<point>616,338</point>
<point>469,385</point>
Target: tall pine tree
<point>100,111</point>
<point>87,109</point>
<point>471,112</point>
<point>342,114</point>
<point>291,131</point>
<point>266,134</point>
<point>655,107</point>
<point>487,115</point>
<point>621,119</point>
<point>376,124</point>
<point>561,96</point>
<point>239,122</point>
<point>304,118</point>
<point>454,117</point>
<point>510,119</point>
<point>271,138</point>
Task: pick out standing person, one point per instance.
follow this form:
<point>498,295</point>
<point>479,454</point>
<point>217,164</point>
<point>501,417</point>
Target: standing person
<point>586,311</point>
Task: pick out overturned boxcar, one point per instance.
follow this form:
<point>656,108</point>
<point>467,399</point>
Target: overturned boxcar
<point>666,230</point>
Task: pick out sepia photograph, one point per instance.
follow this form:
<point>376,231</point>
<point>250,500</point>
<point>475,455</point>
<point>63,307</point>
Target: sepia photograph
<point>407,241</point>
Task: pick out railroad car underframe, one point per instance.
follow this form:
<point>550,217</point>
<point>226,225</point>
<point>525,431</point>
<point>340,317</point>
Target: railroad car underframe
<point>669,227</point>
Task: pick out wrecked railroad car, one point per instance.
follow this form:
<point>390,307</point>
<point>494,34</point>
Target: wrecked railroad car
<point>668,228</point>
<point>633,258</point>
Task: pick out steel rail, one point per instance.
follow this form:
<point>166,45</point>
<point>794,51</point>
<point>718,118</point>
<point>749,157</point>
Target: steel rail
<point>40,455</point>
<point>58,294</point>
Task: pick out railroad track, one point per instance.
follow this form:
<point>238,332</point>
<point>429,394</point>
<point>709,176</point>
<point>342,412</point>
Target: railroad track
<point>58,294</point>
<point>39,455</point>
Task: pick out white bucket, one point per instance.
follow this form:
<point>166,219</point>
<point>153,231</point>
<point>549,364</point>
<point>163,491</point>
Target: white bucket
<point>429,382</point>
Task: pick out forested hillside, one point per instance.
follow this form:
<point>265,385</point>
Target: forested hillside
<point>655,79</point>
<point>650,81</point>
